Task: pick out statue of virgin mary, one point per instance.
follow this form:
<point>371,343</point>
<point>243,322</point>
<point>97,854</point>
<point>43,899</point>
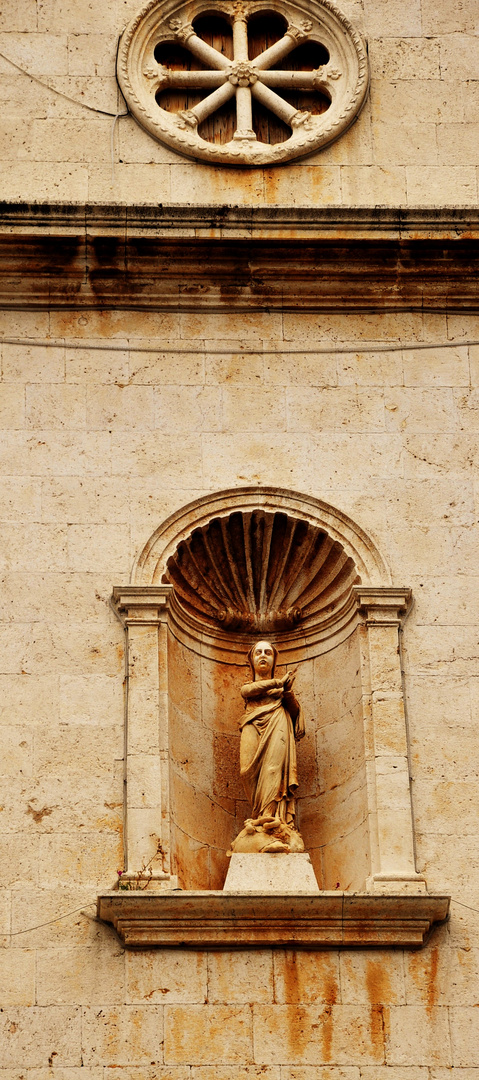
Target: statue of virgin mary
<point>271,726</point>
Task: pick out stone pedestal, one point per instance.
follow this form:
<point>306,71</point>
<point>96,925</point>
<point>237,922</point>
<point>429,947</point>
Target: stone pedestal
<point>273,873</point>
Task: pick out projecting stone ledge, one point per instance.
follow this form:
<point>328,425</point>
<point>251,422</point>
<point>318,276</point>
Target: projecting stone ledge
<point>216,920</point>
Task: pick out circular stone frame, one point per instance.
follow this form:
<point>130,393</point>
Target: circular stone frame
<point>344,79</point>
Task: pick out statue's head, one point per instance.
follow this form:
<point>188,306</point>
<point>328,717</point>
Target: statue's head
<point>262,659</point>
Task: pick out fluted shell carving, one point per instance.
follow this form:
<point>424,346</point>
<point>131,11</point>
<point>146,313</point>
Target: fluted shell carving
<point>260,572</point>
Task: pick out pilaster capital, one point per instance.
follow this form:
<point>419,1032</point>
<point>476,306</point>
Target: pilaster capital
<point>384,605</point>
<point>145,605</point>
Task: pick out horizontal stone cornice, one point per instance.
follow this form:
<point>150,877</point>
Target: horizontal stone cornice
<point>238,258</point>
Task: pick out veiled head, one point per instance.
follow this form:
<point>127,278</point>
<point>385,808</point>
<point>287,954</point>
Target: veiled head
<point>262,659</point>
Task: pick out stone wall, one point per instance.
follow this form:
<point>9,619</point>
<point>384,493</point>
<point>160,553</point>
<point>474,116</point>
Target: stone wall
<point>414,143</point>
<point>101,443</point>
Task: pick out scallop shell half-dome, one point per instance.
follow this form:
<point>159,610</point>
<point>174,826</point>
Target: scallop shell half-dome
<point>260,571</point>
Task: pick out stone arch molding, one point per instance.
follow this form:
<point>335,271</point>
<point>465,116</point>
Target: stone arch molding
<point>343,81</point>
<point>260,560</point>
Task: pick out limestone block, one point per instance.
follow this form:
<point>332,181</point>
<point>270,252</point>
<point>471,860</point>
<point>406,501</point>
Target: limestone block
<point>55,452</point>
<point>442,976</point>
<point>17,977</point>
<point>71,976</point>
<point>201,817</point>
<point>184,677</point>
<point>388,1072</point>
<point>237,977</point>
<point>415,144</point>
<point>172,458</point>
<point>20,16</point>
<point>115,407</point>
<point>238,367</point>
<point>126,1035</point>
<point>17,747</point>
<point>304,1034</point>
<point>78,18</point>
<point>20,502</point>
<point>371,977</point>
<point>439,455</point>
<point>33,364</point>
<point>428,184</point>
<point>144,1072</point>
<point>419,1036</point>
<point>35,906</point>
<point>38,53</point>
<point>195,408</point>
<point>416,410</point>
<point>105,366</point>
<point>231,325</point>
<point>34,547</point>
<point>302,185</point>
<point>380,185</point>
<point>40,596</point>
<point>12,406</point>
<point>300,369</point>
<point>168,367</point>
<point>97,327</point>
<point>205,184</point>
<point>89,859</point>
<point>306,977</point>
<point>158,976</point>
<point>91,54</point>
<point>131,183</point>
<point>271,873</point>
<point>436,367</point>
<point>60,1074</point>
<point>245,408</point>
<point>108,542</point>
<point>354,329</point>
<point>26,697</point>
<point>403,57</point>
<point>464,1037</point>
<point>34,1036</point>
<point>399,18</point>
<point>22,177</point>
<point>69,748</point>
<point>208,1034</point>
<point>440,101</point>
<point>101,501</point>
<point>459,56</point>
<point>340,408</point>
<point>353,148</point>
<point>144,780</point>
<point>234,1072</point>
<point>137,146</point>
<point>467,408</point>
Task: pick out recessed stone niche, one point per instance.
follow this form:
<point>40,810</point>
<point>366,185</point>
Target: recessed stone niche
<point>218,574</point>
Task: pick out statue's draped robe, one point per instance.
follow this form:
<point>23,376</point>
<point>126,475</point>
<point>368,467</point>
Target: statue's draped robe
<point>269,729</point>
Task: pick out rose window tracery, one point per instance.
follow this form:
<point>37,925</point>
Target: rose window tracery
<point>243,84</point>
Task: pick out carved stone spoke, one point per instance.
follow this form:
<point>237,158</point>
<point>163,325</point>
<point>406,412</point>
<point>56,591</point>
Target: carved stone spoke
<point>343,80</point>
<point>241,77</point>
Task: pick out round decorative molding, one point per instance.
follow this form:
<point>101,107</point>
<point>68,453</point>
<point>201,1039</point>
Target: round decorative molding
<point>169,28</point>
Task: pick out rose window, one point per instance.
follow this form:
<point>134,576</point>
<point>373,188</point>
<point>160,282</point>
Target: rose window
<point>242,84</point>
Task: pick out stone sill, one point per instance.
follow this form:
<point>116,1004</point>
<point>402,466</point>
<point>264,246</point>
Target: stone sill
<point>216,920</point>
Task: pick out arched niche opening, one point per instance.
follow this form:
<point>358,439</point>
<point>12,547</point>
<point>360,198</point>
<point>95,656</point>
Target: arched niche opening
<point>220,573</point>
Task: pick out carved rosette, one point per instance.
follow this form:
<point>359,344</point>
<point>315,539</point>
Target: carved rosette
<point>343,80</point>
